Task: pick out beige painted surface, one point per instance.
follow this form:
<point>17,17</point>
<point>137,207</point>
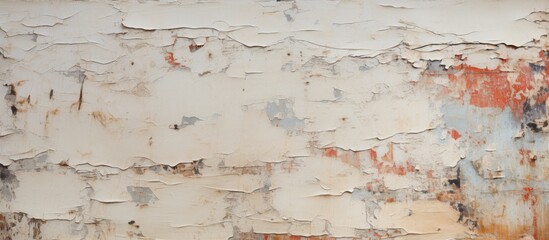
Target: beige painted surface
<point>274,119</point>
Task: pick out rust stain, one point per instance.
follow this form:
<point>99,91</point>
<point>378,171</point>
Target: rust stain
<point>501,227</point>
<point>103,118</point>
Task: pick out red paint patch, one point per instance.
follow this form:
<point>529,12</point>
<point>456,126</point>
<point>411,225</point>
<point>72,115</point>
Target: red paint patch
<point>494,88</point>
<point>330,152</point>
<point>487,88</point>
<point>170,59</point>
<point>455,134</point>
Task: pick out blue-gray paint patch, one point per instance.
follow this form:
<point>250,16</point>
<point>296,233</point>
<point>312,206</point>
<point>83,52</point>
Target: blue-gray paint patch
<point>281,114</point>
<point>142,195</point>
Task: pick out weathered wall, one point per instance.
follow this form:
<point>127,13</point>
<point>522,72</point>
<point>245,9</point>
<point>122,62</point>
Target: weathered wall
<point>274,119</point>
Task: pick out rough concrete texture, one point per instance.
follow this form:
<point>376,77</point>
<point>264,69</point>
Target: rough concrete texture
<point>273,120</point>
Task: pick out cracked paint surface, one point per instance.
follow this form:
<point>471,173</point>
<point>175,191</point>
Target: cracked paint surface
<point>273,120</point>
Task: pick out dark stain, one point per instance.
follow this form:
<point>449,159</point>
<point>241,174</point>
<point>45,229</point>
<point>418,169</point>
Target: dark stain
<point>204,73</point>
<point>456,182</point>
<point>462,211</point>
<point>131,222</point>
<point>533,159</point>
<point>81,97</point>
<point>8,181</point>
<point>36,227</point>
<point>197,166</point>
<point>132,63</point>
<point>537,68</point>
<point>6,175</point>
<point>51,94</point>
<point>193,47</point>
<point>534,111</point>
<point>11,89</point>
<point>81,76</point>
<point>534,127</point>
<point>13,110</point>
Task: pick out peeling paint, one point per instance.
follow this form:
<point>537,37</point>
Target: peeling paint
<point>271,120</point>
